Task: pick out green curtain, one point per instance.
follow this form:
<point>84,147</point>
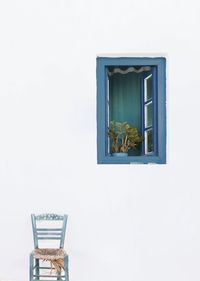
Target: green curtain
<point>125,100</point>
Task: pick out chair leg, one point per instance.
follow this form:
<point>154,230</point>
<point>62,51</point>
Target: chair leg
<point>59,276</point>
<point>66,268</point>
<point>37,271</point>
<point>31,267</point>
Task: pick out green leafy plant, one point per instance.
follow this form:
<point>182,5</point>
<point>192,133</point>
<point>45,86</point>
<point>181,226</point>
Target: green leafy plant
<point>123,137</point>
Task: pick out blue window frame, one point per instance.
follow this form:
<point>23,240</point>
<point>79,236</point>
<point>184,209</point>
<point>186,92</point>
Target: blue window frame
<point>132,90</point>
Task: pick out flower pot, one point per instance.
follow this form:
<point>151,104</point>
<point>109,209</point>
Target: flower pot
<point>120,154</point>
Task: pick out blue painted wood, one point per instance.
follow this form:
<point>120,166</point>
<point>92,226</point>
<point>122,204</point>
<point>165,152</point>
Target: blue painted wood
<point>49,217</point>
<point>162,110</point>
<point>145,159</point>
<point>142,107</point>
<point>158,63</point>
<point>33,220</point>
<point>66,268</point>
<point>101,110</point>
<point>152,72</point>
<point>48,233</point>
<point>31,267</point>
<point>49,279</point>
<point>64,231</point>
<point>37,263</point>
<point>45,233</point>
<point>155,110</point>
<point>49,229</point>
<point>42,267</point>
<point>49,238</point>
<point>46,275</point>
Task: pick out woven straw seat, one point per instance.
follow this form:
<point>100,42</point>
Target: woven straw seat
<point>49,254</point>
<point>54,256</point>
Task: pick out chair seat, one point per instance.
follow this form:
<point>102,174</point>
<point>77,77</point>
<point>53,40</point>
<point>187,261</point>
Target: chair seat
<point>54,256</point>
<point>49,254</point>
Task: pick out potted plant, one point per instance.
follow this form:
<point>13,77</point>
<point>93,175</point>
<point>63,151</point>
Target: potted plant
<point>123,137</point>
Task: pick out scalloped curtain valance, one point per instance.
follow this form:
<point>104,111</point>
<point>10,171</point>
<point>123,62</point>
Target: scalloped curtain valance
<point>129,69</point>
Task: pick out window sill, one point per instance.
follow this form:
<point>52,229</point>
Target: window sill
<point>146,159</point>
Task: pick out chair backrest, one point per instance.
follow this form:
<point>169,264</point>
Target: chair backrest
<point>49,233</point>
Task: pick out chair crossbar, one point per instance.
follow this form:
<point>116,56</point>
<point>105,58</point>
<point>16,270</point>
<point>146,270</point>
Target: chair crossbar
<point>49,229</point>
<point>49,217</point>
<point>35,279</point>
<point>44,267</point>
<point>55,276</point>
<point>49,233</point>
<point>49,237</point>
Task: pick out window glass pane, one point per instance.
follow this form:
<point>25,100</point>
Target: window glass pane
<point>148,88</point>
<point>148,114</point>
<point>108,112</point>
<point>148,141</point>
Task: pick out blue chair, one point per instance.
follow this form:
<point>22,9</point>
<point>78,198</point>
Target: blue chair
<point>56,259</point>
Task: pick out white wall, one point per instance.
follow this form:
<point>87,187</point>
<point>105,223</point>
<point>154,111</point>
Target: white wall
<point>126,223</point>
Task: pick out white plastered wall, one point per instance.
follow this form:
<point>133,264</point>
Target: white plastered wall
<point>126,223</point>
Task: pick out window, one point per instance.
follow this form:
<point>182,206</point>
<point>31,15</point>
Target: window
<point>131,96</point>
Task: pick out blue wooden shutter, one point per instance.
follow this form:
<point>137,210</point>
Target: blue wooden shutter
<point>149,112</point>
